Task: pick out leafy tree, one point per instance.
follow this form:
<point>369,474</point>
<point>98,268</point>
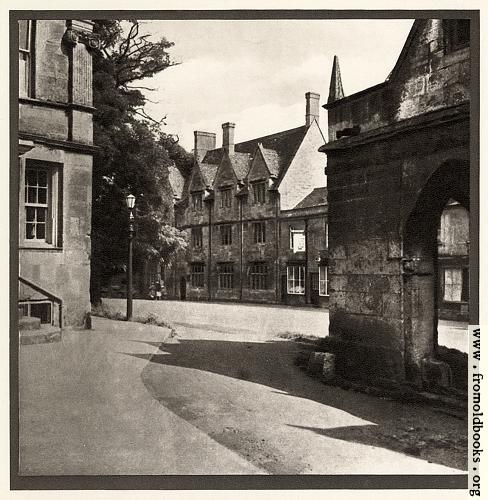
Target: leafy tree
<point>133,155</point>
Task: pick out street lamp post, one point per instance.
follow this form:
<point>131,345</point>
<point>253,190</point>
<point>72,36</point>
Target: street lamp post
<point>131,201</point>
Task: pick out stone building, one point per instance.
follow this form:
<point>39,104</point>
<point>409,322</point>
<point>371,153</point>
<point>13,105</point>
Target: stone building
<point>256,213</point>
<point>453,261</point>
<point>55,169</point>
<point>398,153</point>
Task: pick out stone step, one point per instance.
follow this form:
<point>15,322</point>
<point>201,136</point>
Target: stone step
<point>46,334</point>
<point>29,323</point>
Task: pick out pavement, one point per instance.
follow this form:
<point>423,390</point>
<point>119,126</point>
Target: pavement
<point>84,410</point>
<point>126,398</point>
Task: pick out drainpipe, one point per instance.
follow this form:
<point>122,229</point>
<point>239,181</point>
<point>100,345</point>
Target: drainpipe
<point>277,239</point>
<point>209,272</point>
<point>307,280</point>
<point>241,240</point>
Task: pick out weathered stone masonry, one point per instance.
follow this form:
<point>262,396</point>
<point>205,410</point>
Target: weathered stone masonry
<point>260,192</point>
<point>397,153</point>
<point>55,160</point>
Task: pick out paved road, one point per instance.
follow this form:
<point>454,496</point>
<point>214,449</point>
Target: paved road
<point>263,319</point>
<point>109,401</point>
<point>85,410</point>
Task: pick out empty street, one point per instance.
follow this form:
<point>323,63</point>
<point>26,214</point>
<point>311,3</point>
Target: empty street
<point>127,398</point>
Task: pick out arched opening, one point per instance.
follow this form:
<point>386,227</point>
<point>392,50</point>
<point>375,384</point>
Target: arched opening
<point>450,182</point>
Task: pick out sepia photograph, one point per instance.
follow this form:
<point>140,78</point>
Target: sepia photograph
<point>243,244</point>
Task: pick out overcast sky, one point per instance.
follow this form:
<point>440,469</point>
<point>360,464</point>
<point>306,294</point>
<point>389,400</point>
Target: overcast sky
<point>255,73</point>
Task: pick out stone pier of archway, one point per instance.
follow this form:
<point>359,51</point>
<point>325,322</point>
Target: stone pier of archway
<point>396,154</point>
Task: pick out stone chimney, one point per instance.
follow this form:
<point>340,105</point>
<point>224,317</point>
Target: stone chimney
<point>312,108</point>
<point>228,137</point>
<point>335,89</point>
<point>204,141</point>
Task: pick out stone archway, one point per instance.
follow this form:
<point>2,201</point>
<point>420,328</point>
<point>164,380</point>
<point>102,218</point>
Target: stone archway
<point>450,180</point>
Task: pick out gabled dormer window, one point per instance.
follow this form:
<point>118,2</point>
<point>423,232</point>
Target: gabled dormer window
<point>456,34</point>
<point>196,201</point>
<point>259,192</point>
<point>226,198</point>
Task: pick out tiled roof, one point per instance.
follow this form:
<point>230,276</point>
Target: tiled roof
<point>241,162</point>
<point>315,198</point>
<point>208,172</point>
<point>279,149</point>
<point>214,156</point>
<point>176,180</point>
<point>272,160</point>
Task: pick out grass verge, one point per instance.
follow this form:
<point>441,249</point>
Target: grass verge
<point>104,311</point>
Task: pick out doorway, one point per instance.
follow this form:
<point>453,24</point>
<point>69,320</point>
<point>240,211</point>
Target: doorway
<point>420,267</point>
<point>314,293</point>
<point>182,288</point>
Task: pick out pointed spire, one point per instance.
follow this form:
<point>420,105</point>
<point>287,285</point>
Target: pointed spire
<point>335,90</point>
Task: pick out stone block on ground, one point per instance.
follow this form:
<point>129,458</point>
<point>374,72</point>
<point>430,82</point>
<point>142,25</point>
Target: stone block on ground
<point>322,364</point>
<point>315,363</point>
<point>328,367</point>
<point>436,373</point>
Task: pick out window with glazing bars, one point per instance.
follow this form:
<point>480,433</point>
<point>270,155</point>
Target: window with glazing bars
<point>297,239</point>
<point>258,275</point>
<point>259,232</point>
<point>295,277</point>
<point>456,285</point>
<point>37,197</point>
<point>197,275</point>
<point>226,234</point>
<point>323,281</point>
<point>196,237</point>
<point>259,192</point>
<point>225,198</point>
<point>226,275</point>
<point>196,199</point>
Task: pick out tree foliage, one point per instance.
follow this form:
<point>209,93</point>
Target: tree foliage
<point>133,153</point>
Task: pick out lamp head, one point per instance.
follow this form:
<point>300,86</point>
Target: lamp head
<point>131,201</point>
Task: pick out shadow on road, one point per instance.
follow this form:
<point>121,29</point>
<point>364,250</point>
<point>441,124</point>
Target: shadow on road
<point>411,428</point>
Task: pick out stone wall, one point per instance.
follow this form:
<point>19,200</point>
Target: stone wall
<point>403,155</point>
<point>372,191</point>
<point>57,118</point>
<point>243,252</point>
<point>52,61</point>
<point>426,78</point>
<point>64,269</point>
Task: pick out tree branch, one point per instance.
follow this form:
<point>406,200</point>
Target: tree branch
<point>133,32</point>
<point>144,115</point>
<point>143,88</point>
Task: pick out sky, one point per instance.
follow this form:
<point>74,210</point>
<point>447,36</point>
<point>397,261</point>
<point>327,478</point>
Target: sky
<point>255,73</point>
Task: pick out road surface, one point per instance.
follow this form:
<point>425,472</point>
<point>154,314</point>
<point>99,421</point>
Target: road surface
<point>127,398</point>
<point>263,319</point>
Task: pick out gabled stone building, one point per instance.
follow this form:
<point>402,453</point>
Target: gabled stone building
<point>397,154</point>
<point>55,169</point>
<point>255,218</point>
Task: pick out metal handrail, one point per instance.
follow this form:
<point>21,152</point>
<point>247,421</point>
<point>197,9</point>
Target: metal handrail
<point>48,294</point>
